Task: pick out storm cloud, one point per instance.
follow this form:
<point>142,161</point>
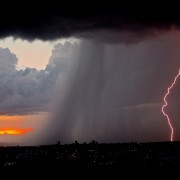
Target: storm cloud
<point>53,21</point>
<point>110,86</point>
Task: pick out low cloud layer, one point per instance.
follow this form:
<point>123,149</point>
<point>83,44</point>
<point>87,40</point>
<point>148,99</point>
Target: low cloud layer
<point>53,21</point>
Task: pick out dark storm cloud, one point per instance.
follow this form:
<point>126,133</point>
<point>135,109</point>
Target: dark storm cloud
<point>54,21</point>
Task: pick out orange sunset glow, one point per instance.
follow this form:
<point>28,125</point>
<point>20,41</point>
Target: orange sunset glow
<point>14,131</point>
<point>9,118</point>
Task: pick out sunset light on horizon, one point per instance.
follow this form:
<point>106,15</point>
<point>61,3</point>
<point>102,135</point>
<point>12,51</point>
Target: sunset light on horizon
<point>14,131</point>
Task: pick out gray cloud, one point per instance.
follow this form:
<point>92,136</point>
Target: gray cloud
<point>30,90</point>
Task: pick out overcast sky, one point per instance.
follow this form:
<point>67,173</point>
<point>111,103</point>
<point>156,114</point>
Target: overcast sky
<point>111,92</point>
<point>107,84</point>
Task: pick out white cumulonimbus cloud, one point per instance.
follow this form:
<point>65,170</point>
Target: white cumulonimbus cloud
<point>27,91</point>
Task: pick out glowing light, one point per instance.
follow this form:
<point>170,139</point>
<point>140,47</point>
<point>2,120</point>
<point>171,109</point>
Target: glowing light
<point>11,118</point>
<point>166,104</point>
<point>13,131</point>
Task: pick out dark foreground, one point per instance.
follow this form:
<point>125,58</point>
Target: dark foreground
<point>77,159</point>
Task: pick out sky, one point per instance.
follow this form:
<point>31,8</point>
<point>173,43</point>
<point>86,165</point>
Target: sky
<point>30,54</point>
<point>26,58</point>
<point>88,75</point>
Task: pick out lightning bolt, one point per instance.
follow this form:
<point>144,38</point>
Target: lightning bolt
<point>166,104</point>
